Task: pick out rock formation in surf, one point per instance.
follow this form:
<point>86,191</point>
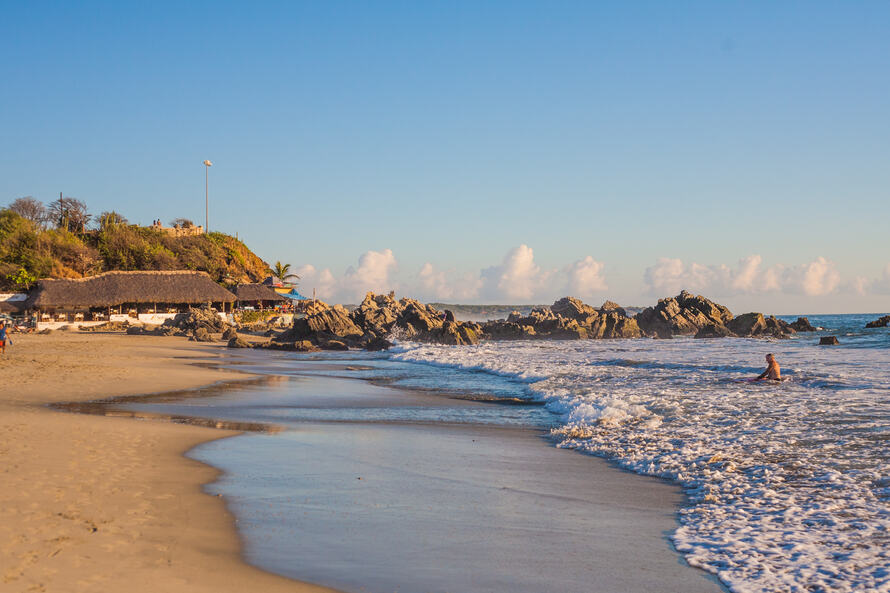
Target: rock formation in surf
<point>880,322</point>
<point>382,317</point>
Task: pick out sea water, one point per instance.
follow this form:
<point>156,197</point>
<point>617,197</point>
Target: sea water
<point>788,483</point>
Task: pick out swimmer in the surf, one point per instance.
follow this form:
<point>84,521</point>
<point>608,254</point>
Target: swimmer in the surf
<point>772,372</point>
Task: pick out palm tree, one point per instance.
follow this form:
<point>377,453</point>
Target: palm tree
<point>282,271</point>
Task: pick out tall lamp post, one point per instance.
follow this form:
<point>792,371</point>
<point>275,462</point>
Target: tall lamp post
<point>207,165</point>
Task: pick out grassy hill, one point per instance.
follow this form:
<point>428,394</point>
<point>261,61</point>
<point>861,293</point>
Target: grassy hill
<point>29,252</point>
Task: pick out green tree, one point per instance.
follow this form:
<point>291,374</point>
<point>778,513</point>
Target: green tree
<point>110,219</point>
<point>22,278</point>
<point>282,271</point>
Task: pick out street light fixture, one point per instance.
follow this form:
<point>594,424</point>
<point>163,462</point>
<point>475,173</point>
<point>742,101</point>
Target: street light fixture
<point>207,165</point>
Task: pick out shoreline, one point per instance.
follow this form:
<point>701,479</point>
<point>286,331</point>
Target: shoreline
<point>191,566</point>
<point>104,504</point>
<point>628,505</point>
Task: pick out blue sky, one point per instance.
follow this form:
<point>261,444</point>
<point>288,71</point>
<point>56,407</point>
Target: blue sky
<point>479,151</point>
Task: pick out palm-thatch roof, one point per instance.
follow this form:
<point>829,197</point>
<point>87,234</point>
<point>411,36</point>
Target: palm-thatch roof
<point>117,288</point>
<point>256,292</point>
<point>13,303</point>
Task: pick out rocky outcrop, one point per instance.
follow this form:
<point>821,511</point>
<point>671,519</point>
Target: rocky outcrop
<point>229,334</point>
<point>749,324</point>
<point>201,335</point>
<point>295,346</point>
<point>204,318</point>
<point>880,322</point>
<point>237,342</point>
<point>371,324</point>
<point>612,307</point>
<point>828,341</point>
<point>755,325</point>
<point>684,314</point>
<point>803,325</point>
<point>713,330</point>
<point>334,321</point>
<point>566,319</point>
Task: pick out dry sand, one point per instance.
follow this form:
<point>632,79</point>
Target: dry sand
<point>89,503</point>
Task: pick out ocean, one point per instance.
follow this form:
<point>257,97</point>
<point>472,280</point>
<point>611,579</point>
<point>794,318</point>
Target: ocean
<point>787,485</point>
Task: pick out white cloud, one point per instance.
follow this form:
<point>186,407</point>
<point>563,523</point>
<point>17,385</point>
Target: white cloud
<point>373,274</point>
<point>669,276</point>
<point>518,278</point>
<point>880,286</point>
<point>817,278</point>
<point>322,281</point>
<point>438,285</point>
<point>585,278</point>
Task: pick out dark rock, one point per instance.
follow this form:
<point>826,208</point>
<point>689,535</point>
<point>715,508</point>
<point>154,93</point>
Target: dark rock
<point>777,328</point>
<point>334,320</point>
<point>508,330</point>
<point>135,330</point>
<point>331,344</point>
<point>614,324</point>
<point>755,325</point>
<point>567,319</point>
<point>683,314</point>
<point>712,330</point>
<point>201,335</point>
<point>376,343</point>
<point>449,316</point>
<point>828,341</point>
<point>747,325</point>
<point>572,308</point>
<point>229,334</point>
<point>610,306</point>
<point>456,334</point>
<point>237,342</point>
<point>802,325</point>
<point>880,322</point>
<point>297,346</point>
<point>204,317</point>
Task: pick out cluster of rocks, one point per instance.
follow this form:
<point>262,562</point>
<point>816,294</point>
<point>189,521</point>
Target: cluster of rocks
<point>381,317</point>
<point>880,322</point>
<point>371,324</point>
<point>567,319</point>
<point>689,314</point>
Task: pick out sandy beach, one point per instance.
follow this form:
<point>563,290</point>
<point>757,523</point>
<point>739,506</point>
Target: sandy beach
<point>96,503</point>
<point>110,504</point>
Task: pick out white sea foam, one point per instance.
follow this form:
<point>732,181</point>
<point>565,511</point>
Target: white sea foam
<point>789,484</point>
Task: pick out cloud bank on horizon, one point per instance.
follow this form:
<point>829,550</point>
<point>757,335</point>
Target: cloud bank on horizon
<point>519,279</point>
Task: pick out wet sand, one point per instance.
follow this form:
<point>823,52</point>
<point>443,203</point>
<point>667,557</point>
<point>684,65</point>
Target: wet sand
<point>366,491</point>
<point>110,504</point>
<point>90,503</point>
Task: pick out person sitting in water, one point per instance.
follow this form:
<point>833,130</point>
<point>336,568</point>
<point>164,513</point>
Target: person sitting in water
<point>772,372</point>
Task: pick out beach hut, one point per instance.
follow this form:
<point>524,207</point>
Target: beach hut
<point>258,296</point>
<point>13,303</point>
<point>149,297</point>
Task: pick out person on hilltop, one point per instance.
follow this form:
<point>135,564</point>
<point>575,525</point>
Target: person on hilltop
<point>772,372</point>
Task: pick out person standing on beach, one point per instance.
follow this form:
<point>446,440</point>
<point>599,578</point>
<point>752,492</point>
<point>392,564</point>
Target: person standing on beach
<point>772,372</point>
<point>3,338</point>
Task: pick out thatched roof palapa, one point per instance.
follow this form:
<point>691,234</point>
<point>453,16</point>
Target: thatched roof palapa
<point>117,288</point>
<point>256,292</point>
<point>13,303</point>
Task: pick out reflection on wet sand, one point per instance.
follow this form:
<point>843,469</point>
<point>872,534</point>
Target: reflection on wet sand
<point>115,406</point>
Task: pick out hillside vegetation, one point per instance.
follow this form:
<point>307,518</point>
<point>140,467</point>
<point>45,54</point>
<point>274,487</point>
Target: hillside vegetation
<point>30,251</point>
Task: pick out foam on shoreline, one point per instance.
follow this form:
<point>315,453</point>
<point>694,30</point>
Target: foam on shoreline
<point>789,484</point>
